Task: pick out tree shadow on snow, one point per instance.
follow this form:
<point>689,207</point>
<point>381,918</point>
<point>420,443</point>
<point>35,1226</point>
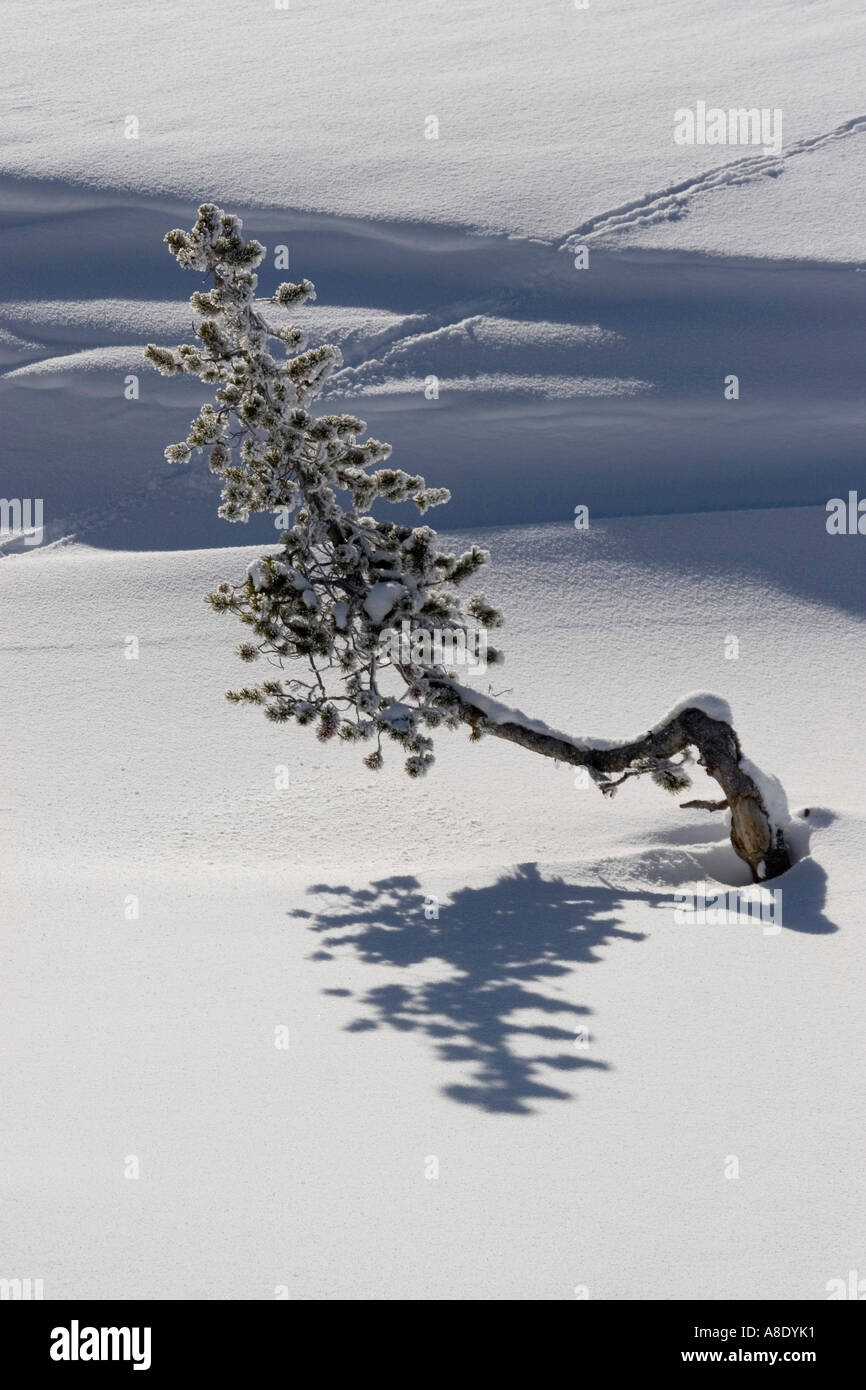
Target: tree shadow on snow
<point>489,980</point>
<point>704,852</point>
<point>804,896</point>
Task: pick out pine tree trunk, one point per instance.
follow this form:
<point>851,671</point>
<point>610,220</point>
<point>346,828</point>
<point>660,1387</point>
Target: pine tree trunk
<point>755,838</point>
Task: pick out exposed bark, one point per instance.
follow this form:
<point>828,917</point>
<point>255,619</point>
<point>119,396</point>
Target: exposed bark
<point>756,840</point>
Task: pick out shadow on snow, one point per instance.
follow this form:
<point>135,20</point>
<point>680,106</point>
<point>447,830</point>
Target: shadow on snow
<point>489,981</point>
<point>487,975</point>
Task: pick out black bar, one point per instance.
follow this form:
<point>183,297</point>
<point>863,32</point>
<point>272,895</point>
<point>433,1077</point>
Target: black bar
<point>225,1337</point>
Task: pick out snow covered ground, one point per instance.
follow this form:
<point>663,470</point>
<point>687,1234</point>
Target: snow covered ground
<point>554,1086</point>
<point>563,1161</point>
<point>549,116</point>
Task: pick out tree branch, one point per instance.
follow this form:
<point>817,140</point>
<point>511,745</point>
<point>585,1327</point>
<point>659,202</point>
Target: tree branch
<point>755,838</point>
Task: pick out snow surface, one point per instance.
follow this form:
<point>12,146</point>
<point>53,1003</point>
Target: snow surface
<point>411,1037</point>
<point>551,118</point>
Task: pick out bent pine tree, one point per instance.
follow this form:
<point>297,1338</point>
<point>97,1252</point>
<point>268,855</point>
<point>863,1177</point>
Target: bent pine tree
<point>343,580</point>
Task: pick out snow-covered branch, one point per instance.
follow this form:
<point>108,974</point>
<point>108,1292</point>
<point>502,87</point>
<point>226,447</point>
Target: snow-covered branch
<point>700,722</point>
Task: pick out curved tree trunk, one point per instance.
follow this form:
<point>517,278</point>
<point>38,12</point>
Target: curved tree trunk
<point>755,838</point>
